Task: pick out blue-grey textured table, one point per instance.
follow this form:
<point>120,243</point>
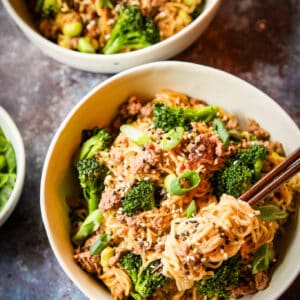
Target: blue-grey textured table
<point>257,40</point>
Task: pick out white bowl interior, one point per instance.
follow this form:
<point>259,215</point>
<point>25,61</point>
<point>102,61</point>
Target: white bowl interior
<point>116,62</point>
<point>13,135</point>
<point>98,108</point>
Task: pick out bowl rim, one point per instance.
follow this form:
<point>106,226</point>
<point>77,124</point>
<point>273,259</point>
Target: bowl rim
<point>19,149</point>
<point>136,70</point>
<point>211,5</point>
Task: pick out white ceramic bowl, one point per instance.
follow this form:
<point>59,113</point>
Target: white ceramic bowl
<point>116,62</point>
<point>98,109</point>
<point>13,135</point>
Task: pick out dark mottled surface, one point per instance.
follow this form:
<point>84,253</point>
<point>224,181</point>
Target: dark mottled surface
<point>256,40</point>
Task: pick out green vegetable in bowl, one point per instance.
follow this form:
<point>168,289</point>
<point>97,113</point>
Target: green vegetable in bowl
<point>170,117</point>
<point>8,167</point>
<point>135,135</point>
<point>92,222</point>
<point>182,184</point>
<point>131,31</point>
<point>220,128</point>
<point>172,138</point>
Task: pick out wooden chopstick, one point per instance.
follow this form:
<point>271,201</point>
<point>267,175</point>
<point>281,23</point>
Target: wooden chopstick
<point>274,179</point>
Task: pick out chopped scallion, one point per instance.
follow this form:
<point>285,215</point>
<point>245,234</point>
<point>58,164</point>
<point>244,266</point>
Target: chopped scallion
<point>100,243</point>
<point>90,225</point>
<point>172,138</point>
<point>220,128</point>
<point>182,184</point>
<point>261,259</point>
<point>135,135</point>
<point>272,212</point>
<point>191,210</point>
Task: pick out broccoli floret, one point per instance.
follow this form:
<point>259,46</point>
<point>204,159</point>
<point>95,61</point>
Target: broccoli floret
<point>100,141</point>
<point>145,281</point>
<point>240,172</point>
<point>225,277</point>
<point>169,117</point>
<point>139,198</point>
<point>132,31</point>
<point>150,279</point>
<point>91,175</point>
<point>234,180</point>
<point>254,158</point>
<point>132,264</point>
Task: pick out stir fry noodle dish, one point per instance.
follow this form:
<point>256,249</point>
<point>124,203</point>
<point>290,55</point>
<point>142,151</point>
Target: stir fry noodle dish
<point>159,214</point>
<point>113,26</point>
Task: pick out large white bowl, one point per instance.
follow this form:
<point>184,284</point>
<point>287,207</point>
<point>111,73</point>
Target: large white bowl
<point>98,109</point>
<point>13,135</point>
<point>115,62</point>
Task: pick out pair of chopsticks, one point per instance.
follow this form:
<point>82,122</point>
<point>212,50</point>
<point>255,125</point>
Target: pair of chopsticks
<point>274,179</point>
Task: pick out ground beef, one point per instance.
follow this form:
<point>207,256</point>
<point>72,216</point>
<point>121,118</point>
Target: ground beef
<point>88,262</point>
<point>110,198</point>
<point>146,159</point>
<point>260,133</point>
<point>131,108</point>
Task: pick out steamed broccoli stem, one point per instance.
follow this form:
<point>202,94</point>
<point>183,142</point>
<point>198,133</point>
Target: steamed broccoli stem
<point>132,264</point>
<point>240,172</point>
<point>139,198</point>
<point>169,117</point>
<point>132,31</point>
<point>225,277</point>
<point>98,142</point>
<point>91,176</point>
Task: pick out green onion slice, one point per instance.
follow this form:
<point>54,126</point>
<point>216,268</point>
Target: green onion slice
<point>272,212</point>
<point>100,243</point>
<point>261,259</point>
<point>172,138</point>
<point>176,185</point>
<point>135,135</point>
<point>220,128</point>
<point>235,134</point>
<point>191,210</point>
<point>90,225</point>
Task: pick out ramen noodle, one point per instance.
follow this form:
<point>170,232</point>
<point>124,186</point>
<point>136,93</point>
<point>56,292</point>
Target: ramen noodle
<point>192,234</point>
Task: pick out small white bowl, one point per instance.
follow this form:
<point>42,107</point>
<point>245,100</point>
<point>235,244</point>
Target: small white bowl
<point>98,108</point>
<point>115,62</point>
<point>13,135</point>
